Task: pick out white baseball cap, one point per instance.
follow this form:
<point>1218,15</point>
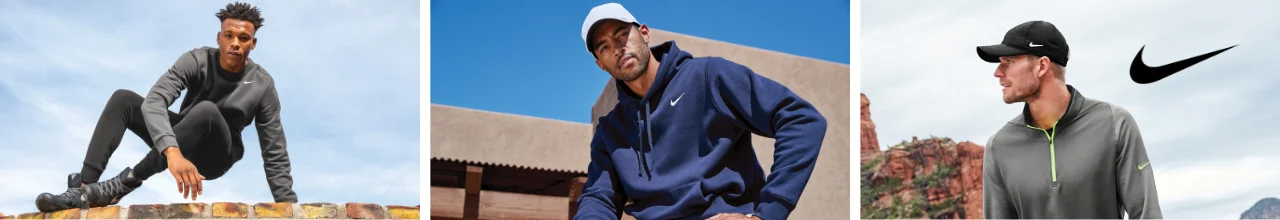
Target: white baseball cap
<point>603,12</point>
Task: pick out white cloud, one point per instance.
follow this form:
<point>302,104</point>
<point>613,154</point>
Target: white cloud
<point>346,70</point>
<point>923,77</point>
<point>1205,180</point>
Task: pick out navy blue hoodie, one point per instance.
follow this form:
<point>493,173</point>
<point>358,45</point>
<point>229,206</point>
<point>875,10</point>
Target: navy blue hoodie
<point>683,151</point>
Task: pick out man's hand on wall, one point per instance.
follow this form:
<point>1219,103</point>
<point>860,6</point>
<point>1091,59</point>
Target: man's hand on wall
<point>185,173</point>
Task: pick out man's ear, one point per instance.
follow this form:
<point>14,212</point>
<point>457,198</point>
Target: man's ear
<point>255,43</point>
<point>644,32</point>
<point>601,65</point>
<point>1044,64</point>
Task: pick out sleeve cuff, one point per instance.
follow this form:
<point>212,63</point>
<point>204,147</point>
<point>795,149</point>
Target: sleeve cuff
<point>289,199</point>
<point>165,142</point>
<point>772,208</point>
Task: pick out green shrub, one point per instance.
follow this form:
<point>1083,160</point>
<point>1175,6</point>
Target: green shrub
<point>917,207</point>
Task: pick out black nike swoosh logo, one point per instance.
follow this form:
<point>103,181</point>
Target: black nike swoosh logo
<point>1143,74</point>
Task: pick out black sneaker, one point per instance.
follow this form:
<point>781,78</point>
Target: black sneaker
<point>109,192</point>
<point>74,180</point>
<point>72,198</point>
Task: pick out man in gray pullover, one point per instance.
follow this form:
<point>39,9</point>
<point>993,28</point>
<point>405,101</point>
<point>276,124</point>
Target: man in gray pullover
<point>225,92</point>
<point>1065,156</point>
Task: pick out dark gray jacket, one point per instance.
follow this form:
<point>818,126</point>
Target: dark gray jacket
<point>1091,164</point>
<point>248,97</point>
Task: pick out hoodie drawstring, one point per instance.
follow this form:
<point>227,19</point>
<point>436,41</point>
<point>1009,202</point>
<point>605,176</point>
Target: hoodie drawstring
<point>639,126</point>
<point>649,132</point>
<point>641,158</point>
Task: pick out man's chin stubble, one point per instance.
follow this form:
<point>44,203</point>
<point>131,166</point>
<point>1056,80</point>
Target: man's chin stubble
<point>1017,99</point>
<point>629,78</point>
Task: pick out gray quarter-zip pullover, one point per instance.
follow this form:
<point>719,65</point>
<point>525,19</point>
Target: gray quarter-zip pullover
<point>1091,164</point>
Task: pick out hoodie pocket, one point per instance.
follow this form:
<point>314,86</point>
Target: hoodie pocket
<point>685,198</point>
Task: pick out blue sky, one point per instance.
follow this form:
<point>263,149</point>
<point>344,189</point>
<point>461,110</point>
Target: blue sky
<point>528,58</point>
<point>347,73</point>
<point>1209,130</point>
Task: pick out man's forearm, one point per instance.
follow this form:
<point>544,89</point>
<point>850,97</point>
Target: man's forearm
<point>600,197</point>
<point>172,151</point>
<point>156,116</point>
<point>596,206</point>
<point>767,108</point>
<point>1135,174</point>
<point>798,142</point>
<point>155,106</point>
<point>277,166</point>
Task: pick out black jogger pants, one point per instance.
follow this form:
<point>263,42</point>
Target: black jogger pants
<point>202,133</point>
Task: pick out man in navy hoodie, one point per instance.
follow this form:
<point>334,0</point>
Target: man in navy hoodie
<point>678,143</point>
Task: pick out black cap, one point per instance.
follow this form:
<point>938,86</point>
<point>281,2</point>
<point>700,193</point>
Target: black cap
<point>1038,38</point>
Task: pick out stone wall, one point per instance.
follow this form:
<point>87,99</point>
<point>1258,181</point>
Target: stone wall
<point>230,210</point>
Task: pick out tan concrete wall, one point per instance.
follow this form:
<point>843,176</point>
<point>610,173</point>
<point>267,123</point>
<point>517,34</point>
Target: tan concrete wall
<point>492,137</point>
<point>527,141</point>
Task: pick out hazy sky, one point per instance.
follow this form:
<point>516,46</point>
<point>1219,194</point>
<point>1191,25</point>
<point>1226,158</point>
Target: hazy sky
<point>346,71</point>
<point>528,57</point>
<point>1208,129</point>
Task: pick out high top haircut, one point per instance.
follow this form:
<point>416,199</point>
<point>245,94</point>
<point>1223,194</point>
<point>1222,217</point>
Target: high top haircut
<point>242,11</point>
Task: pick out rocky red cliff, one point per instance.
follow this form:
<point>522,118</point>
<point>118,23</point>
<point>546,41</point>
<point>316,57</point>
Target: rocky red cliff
<point>930,178</point>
